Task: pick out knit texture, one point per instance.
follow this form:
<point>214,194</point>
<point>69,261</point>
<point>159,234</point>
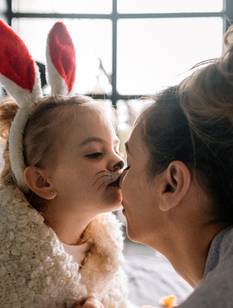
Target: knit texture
<point>36,271</point>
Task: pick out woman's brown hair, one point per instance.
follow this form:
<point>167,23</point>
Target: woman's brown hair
<point>193,123</point>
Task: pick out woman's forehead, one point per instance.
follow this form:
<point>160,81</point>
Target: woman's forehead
<point>135,140</point>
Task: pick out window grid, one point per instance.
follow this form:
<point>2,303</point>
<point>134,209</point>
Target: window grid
<point>226,14</point>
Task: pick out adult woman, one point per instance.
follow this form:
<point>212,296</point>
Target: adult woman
<point>177,189</point>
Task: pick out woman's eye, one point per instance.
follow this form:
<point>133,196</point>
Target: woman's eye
<point>94,155</point>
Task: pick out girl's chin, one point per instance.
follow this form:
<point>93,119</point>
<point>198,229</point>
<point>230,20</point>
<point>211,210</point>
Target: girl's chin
<point>114,195</point>
<point>114,204</point>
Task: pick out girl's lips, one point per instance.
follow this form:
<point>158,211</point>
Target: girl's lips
<point>116,181</point>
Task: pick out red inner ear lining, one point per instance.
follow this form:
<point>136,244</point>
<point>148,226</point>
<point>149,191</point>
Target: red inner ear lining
<point>62,53</point>
<point>20,67</point>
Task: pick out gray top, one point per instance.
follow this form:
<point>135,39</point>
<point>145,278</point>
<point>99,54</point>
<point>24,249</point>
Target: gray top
<point>216,288</point>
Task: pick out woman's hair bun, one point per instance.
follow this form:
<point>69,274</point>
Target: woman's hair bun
<point>228,39</point>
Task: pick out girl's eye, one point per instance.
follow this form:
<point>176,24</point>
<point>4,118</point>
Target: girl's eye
<point>94,155</point>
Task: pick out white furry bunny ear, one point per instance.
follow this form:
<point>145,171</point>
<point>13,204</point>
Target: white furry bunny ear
<point>18,71</point>
<point>61,60</point>
<point>19,75</point>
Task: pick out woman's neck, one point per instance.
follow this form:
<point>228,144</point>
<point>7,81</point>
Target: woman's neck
<point>187,251</point>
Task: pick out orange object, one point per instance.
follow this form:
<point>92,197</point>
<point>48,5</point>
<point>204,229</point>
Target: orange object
<point>168,301</point>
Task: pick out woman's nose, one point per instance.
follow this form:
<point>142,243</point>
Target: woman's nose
<point>122,176</point>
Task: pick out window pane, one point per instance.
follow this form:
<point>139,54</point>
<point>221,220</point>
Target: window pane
<point>127,112</point>
<point>153,54</point>
<point>92,39</point>
<point>2,8</point>
<point>162,6</point>
<point>63,6</point>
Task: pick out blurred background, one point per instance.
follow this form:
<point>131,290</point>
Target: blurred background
<point>128,50</point>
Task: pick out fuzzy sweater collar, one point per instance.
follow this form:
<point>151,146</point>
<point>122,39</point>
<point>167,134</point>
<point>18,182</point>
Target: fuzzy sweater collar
<point>36,270</point>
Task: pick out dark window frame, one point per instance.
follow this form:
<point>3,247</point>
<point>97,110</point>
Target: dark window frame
<point>226,14</point>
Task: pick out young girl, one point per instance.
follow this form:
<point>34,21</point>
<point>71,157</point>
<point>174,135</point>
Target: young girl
<point>60,176</point>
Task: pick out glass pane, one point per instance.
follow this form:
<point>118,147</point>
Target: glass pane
<point>168,6</point>
<point>107,105</point>
<point>63,6</point>
<point>127,112</point>
<point>92,39</point>
<point>2,7</point>
<point>154,53</point>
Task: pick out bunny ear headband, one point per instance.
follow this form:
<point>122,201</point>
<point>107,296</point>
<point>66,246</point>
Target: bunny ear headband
<point>19,75</point>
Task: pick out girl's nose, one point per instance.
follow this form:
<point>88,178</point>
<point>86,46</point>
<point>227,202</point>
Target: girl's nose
<point>117,165</point>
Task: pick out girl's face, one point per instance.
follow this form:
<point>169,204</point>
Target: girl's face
<point>139,195</point>
<point>87,163</point>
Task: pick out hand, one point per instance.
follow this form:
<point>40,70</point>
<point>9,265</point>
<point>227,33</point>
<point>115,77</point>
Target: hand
<point>90,302</point>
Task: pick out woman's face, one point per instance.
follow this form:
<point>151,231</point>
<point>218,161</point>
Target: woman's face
<point>87,162</point>
<point>139,194</point>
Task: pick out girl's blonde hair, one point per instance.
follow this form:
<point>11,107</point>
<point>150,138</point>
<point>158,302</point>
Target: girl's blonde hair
<point>46,123</point>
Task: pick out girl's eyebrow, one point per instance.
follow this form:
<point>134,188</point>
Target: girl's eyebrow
<point>91,139</point>
<point>96,139</point>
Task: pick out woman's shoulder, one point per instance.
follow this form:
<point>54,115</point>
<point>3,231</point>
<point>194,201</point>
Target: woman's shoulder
<point>216,288</point>
<point>221,250</point>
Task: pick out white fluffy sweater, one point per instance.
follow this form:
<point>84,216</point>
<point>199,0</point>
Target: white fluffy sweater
<point>36,271</point>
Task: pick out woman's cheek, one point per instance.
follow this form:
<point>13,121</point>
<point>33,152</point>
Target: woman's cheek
<point>126,186</point>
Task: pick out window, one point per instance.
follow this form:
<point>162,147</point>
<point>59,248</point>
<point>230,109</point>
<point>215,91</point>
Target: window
<point>160,51</point>
<point>169,6</point>
<point>61,6</point>
<point>126,48</point>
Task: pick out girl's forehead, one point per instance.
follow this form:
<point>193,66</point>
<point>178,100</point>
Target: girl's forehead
<point>89,120</point>
<point>94,113</point>
<point>93,109</point>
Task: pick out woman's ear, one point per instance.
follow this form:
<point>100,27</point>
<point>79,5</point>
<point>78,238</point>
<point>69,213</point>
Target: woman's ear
<point>175,184</point>
<point>38,181</point>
